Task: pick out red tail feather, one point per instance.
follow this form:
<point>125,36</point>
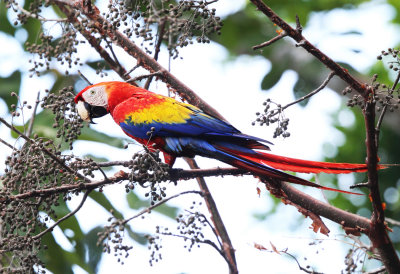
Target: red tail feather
<point>305,166</point>
<point>286,177</point>
<point>272,162</point>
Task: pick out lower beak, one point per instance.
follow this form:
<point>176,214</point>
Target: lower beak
<point>88,112</point>
<point>84,111</point>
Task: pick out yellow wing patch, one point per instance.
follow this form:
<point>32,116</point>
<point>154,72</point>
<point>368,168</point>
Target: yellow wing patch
<point>167,112</point>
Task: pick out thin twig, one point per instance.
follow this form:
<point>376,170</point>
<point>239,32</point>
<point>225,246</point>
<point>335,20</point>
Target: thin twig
<point>37,16</point>
<point>380,120</point>
<point>5,143</point>
<point>340,71</point>
<point>299,28</point>
<point>321,87</point>
<point>382,269</point>
<point>148,209</point>
<point>392,221</point>
<point>269,42</point>
<point>157,49</point>
<point>298,264</point>
<point>359,185</point>
<point>30,126</point>
<point>211,243</point>
<point>280,109</point>
<point>84,78</point>
<point>132,69</point>
<point>141,77</point>
<point>54,157</point>
<point>65,217</point>
<point>112,52</point>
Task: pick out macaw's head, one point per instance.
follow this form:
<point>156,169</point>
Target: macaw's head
<point>97,100</point>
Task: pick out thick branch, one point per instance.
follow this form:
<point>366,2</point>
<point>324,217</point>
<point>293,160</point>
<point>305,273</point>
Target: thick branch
<point>378,233</point>
<point>303,42</point>
<point>148,62</point>
<point>46,151</point>
<point>175,175</point>
<point>344,218</point>
<point>114,64</point>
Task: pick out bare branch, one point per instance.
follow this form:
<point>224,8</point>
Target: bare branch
<point>92,13</point>
<point>269,42</point>
<point>50,154</point>
<point>30,126</point>
<point>148,209</point>
<point>392,221</point>
<point>378,233</point>
<point>343,73</point>
<point>84,78</point>
<point>141,77</point>
<point>376,271</point>
<point>49,229</point>
<point>161,30</point>
<point>312,93</point>
<point>384,109</point>
<point>5,143</point>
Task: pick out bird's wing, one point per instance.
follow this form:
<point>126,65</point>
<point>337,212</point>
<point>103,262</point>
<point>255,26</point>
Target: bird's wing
<point>170,118</point>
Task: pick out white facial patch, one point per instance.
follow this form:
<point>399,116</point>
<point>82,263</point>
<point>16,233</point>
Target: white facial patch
<point>82,111</point>
<point>96,96</point>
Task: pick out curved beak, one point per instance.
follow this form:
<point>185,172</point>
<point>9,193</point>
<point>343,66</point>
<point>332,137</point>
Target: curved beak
<point>88,112</point>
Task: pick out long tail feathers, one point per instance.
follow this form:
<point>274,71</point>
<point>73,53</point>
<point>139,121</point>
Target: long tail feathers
<point>265,164</point>
<point>305,166</point>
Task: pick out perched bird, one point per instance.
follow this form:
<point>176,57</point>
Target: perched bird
<point>183,130</point>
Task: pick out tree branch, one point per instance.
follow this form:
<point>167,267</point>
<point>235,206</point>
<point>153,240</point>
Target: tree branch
<point>269,42</point>
<point>346,219</point>
<point>148,62</point>
<point>229,251</point>
<point>378,232</point>
<point>46,151</point>
<point>296,35</point>
<point>65,217</point>
<point>30,126</point>
<point>114,64</point>
<point>148,209</point>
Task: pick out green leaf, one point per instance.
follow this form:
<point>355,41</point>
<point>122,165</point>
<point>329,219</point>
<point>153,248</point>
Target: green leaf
<point>272,77</point>
<point>10,84</point>
<point>102,200</point>
<point>5,25</point>
<point>56,258</point>
<point>32,26</point>
<point>89,134</point>
<point>94,252</point>
<point>135,202</point>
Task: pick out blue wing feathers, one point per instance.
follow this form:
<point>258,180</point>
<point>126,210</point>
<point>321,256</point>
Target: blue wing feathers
<point>200,125</point>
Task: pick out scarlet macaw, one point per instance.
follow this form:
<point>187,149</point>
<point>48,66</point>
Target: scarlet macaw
<point>178,129</point>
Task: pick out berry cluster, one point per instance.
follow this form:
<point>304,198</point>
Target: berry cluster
<point>268,116</point>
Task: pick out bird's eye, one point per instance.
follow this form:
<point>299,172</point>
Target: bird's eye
<point>92,92</point>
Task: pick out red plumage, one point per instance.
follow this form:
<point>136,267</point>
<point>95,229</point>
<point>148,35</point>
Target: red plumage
<point>179,129</point>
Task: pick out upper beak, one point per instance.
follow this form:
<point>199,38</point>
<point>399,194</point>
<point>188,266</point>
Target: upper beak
<point>88,112</point>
